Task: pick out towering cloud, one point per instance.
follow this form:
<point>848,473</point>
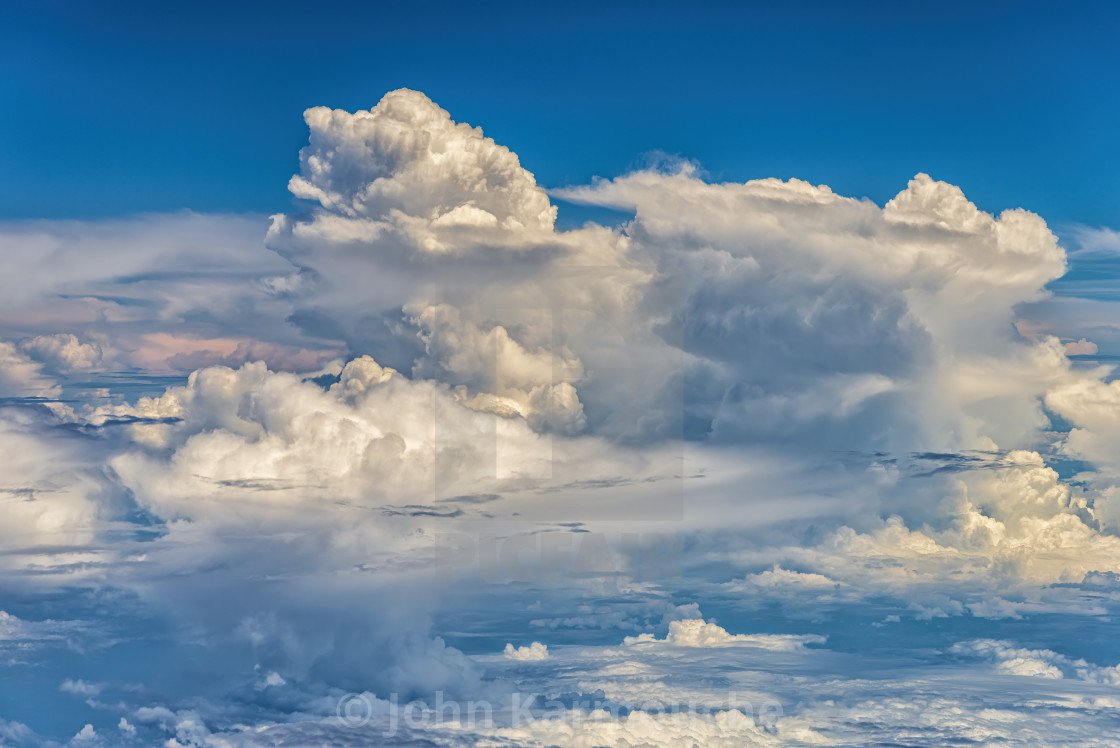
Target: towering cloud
<point>421,371</point>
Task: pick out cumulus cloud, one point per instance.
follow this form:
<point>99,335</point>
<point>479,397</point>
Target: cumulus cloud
<point>838,388</point>
<point>63,353</point>
<point>779,309</point>
<point>535,652</point>
<point>1081,347</point>
<point>808,312</point>
<point>506,378</point>
<point>1092,406</point>
<point>374,437</point>
<point>699,633</point>
<point>383,164</point>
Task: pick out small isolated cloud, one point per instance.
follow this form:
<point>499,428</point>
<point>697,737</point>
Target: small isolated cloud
<point>996,607</point>
<point>1081,347</point>
<point>699,633</point>
<point>1096,243</point>
<point>87,737</point>
<point>535,652</point>
<point>63,353</point>
<point>80,688</point>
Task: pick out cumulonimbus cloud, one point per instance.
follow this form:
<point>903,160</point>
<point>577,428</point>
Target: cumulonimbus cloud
<point>422,352</point>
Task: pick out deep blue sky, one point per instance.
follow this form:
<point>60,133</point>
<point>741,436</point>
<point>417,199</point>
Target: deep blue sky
<point>118,108</point>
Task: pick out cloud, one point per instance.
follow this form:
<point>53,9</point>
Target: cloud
<point>22,377</point>
<point>698,633</point>
<point>1098,242</point>
<point>63,353</point>
<point>832,397</point>
<point>54,493</point>
<point>368,440</point>
<point>505,376</point>
<point>21,638</point>
<point>804,307</point>
<point>1037,663</point>
<point>17,733</point>
<point>728,728</point>
<point>980,690</point>
<point>80,688</point>
<point>85,295</point>
<point>382,165</point>
<point>1081,347</point>
<point>1092,407</point>
<point>535,652</point>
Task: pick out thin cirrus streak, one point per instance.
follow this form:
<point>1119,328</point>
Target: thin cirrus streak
<point>760,465</point>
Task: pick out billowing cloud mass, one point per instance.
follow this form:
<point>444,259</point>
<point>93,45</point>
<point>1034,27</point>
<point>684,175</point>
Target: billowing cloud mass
<point>698,633</point>
<point>321,469</point>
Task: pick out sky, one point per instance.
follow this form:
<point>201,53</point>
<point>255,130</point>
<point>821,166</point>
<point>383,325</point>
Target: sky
<point>123,108</point>
<point>512,376</point>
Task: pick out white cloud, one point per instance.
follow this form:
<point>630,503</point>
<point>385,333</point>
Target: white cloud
<point>784,310</point>
<point>87,736</point>
<point>699,633</point>
<point>23,640</point>
<point>17,733</point>
<point>1093,407</point>
<point>1037,663</point>
<point>721,730</point>
<point>20,376</point>
<point>407,163</point>
<point>528,382</point>
<point>80,688</point>
<point>535,652</point>
<point>276,441</point>
<point>778,578</point>
<point>978,691</point>
<point>1081,347</point>
<point>54,494</point>
<point>63,352</point>
<point>803,307</point>
<point>496,368</point>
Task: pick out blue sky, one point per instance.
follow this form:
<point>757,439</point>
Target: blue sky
<point>126,108</point>
<point>724,376</point>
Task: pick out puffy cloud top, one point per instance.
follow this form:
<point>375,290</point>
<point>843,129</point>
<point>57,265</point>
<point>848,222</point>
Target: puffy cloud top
<point>406,159</point>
